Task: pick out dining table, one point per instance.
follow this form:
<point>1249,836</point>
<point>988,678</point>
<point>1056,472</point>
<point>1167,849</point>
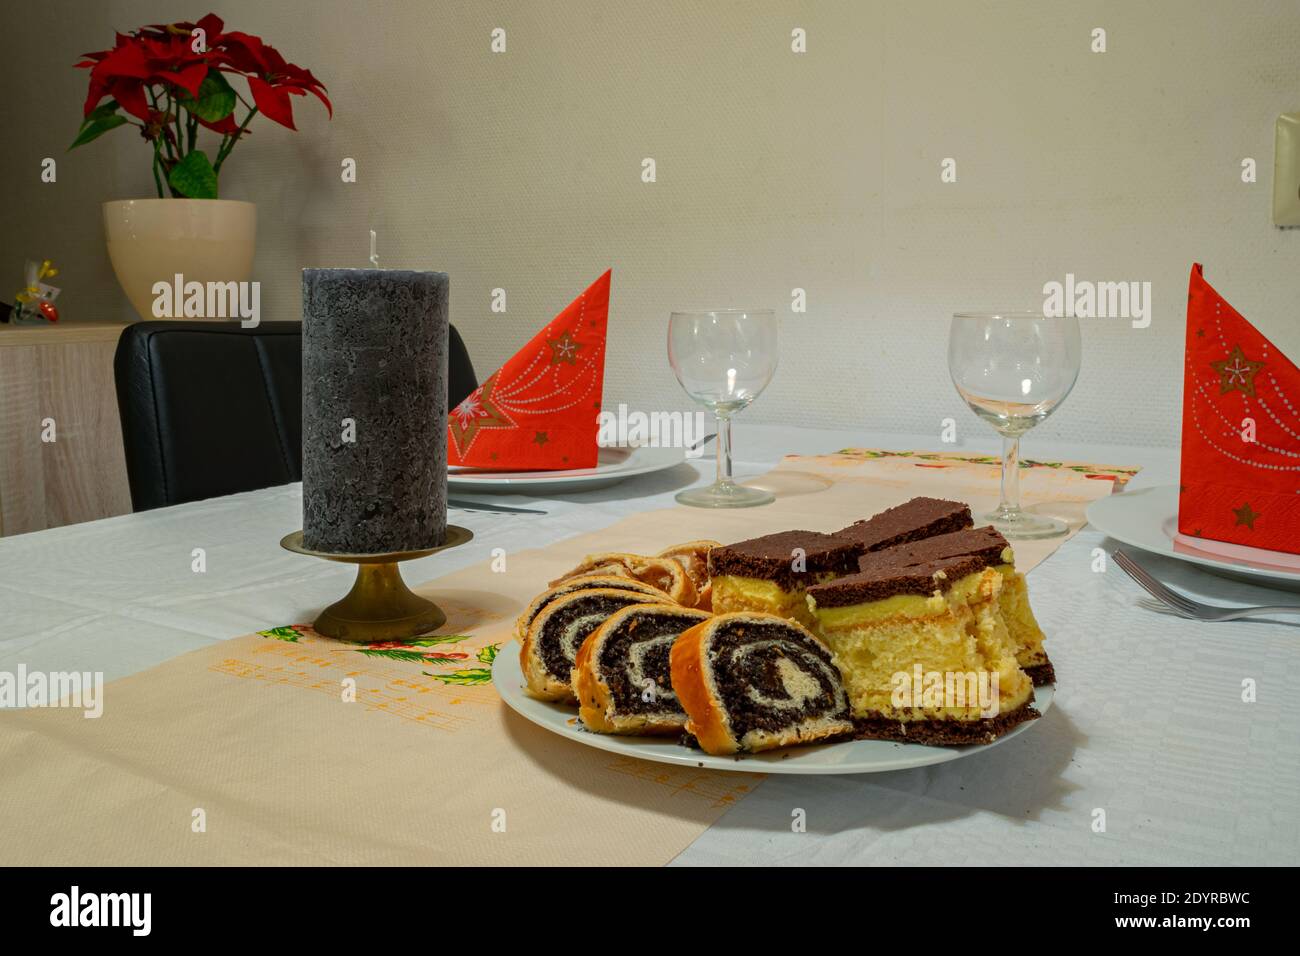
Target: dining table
<point>1150,731</point>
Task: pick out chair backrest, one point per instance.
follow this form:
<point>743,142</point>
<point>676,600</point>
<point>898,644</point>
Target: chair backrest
<point>210,408</point>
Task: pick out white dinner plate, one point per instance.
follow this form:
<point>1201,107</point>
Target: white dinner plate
<point>613,465</point>
<point>850,756</point>
<point>1147,518</point>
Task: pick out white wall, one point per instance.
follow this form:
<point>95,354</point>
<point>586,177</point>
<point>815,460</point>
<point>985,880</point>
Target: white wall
<point>775,170</point>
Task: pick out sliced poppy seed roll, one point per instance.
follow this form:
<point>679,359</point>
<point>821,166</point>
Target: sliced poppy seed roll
<point>558,631</point>
<point>751,681</point>
<point>622,675</point>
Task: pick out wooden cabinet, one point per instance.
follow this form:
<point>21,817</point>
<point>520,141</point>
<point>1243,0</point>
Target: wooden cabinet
<point>56,382</point>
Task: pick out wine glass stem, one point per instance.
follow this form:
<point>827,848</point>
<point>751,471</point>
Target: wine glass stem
<point>1010,475</point>
<point>724,449</point>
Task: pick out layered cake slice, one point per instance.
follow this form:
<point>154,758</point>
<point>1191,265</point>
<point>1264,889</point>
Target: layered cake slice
<point>923,651</point>
<point>559,629</point>
<point>910,521</point>
<point>621,674</point>
<point>771,574</point>
<point>752,682</point>
<point>991,548</point>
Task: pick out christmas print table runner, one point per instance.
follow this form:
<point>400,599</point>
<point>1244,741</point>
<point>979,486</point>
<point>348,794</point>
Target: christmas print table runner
<point>283,747</point>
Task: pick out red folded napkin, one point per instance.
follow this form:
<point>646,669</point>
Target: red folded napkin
<point>1241,430</point>
<point>539,411</point>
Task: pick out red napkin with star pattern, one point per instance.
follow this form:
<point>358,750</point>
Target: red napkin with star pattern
<point>539,411</point>
<point>1241,430</point>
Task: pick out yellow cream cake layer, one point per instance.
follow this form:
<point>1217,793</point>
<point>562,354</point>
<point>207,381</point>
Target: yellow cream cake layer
<point>955,630</point>
<point>1013,602</point>
<point>735,593</point>
<point>990,549</point>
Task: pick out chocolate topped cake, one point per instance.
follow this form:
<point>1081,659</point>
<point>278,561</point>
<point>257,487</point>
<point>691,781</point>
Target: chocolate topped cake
<point>771,574</point>
<point>885,579</point>
<point>785,558</point>
<point>911,622</point>
<point>993,551</point>
<point>986,543</point>
<point>910,521</point>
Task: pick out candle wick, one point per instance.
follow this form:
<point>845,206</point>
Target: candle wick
<point>374,253</point>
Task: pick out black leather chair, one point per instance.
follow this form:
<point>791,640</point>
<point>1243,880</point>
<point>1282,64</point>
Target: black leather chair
<point>210,408</point>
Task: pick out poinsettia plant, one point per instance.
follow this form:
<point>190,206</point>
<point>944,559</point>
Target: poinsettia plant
<point>170,79</point>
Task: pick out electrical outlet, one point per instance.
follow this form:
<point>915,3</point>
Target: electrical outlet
<point>1286,170</point>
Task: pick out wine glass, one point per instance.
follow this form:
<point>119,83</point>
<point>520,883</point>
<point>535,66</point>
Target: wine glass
<point>723,359</point>
<point>1014,369</point>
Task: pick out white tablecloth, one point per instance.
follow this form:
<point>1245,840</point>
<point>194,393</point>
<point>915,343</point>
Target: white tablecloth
<point>1148,726</point>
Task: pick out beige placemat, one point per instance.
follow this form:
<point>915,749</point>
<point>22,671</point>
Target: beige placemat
<point>248,752</point>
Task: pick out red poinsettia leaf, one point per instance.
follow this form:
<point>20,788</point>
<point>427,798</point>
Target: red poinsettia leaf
<point>212,25</point>
<point>122,61</point>
<point>234,61</point>
<point>129,92</point>
<point>97,92</point>
<point>272,59</point>
<point>273,101</point>
<point>158,49</point>
<point>320,95</point>
<point>248,48</point>
<point>291,74</point>
<point>188,78</point>
<point>224,126</point>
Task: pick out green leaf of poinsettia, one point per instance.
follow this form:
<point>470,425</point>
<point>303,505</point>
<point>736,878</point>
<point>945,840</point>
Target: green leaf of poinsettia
<point>98,123</point>
<point>106,108</point>
<point>216,98</point>
<point>194,177</point>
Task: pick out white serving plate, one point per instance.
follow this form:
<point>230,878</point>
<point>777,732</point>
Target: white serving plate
<point>613,465</point>
<point>851,756</point>
<point>1147,518</point>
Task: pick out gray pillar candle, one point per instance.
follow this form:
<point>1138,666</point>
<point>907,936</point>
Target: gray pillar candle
<point>374,410</point>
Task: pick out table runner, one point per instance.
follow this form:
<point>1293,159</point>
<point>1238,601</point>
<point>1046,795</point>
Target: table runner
<point>248,752</point>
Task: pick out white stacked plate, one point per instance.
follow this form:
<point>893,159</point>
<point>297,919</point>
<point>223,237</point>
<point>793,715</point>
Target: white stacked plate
<point>1147,518</point>
<point>613,465</point>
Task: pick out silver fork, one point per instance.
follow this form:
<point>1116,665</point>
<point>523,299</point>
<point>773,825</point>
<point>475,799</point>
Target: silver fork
<point>1184,606</point>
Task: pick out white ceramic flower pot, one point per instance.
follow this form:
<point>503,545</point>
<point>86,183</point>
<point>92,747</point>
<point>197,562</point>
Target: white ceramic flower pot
<point>154,240</point>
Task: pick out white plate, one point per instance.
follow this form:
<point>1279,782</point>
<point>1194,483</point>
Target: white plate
<point>850,756</point>
<point>1147,518</point>
<point>613,465</point>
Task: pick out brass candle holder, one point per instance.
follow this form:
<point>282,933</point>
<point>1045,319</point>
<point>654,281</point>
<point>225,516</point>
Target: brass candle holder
<point>380,607</point>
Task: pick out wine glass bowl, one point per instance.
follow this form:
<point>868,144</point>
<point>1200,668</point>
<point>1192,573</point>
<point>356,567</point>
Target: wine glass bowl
<point>723,360</point>
<point>1014,369</point>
